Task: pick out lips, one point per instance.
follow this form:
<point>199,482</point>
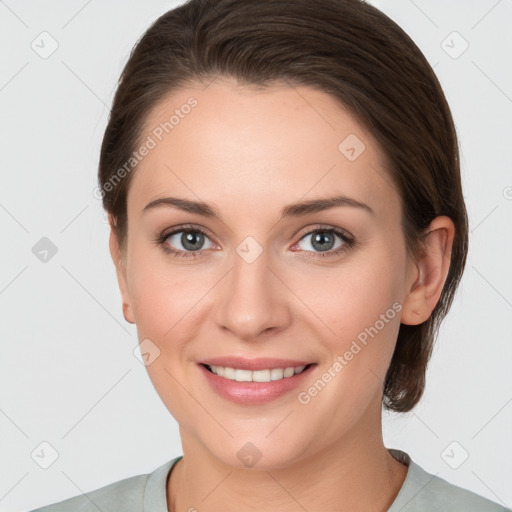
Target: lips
<point>246,381</point>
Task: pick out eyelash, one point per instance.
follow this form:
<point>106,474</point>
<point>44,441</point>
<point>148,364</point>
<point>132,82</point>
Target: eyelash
<point>348,244</point>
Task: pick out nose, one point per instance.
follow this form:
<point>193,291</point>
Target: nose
<point>252,300</point>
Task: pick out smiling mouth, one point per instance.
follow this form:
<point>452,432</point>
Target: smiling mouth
<point>265,375</point>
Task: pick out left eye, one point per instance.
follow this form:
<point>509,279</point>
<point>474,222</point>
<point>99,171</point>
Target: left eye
<point>323,240</point>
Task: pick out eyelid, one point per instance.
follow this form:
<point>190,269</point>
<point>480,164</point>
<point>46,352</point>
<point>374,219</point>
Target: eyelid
<point>324,227</point>
<point>166,233</point>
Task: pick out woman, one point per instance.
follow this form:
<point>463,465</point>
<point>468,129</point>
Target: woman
<point>288,228</point>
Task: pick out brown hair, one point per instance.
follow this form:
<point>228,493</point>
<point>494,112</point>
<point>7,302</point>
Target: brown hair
<point>346,48</point>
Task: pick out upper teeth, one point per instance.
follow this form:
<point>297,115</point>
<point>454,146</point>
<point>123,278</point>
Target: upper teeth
<point>255,376</point>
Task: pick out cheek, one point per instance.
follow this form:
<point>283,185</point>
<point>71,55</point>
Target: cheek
<point>155,290</point>
<point>163,302</point>
<point>354,296</point>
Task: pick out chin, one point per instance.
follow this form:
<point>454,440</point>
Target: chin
<point>256,452</point>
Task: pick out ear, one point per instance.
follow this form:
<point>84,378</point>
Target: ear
<point>120,264</point>
<point>428,274</point>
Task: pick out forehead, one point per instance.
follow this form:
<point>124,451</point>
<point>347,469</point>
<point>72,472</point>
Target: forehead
<point>242,147</point>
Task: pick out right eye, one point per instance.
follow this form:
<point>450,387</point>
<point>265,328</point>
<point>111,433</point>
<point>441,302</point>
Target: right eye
<point>185,242</point>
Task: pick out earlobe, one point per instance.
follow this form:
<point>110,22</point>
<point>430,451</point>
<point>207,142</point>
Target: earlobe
<point>120,264</point>
<point>127,313</point>
<point>429,272</point>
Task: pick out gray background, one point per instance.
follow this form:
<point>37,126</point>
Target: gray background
<point>68,373</point>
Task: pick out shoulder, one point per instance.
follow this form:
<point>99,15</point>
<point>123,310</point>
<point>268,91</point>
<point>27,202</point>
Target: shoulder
<point>425,492</point>
<point>445,496</point>
<point>131,494</point>
<point>128,492</point>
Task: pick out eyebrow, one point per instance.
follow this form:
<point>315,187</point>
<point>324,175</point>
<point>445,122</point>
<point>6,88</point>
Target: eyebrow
<point>292,210</point>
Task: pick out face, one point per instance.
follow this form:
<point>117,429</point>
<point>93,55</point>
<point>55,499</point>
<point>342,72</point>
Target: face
<point>254,284</point>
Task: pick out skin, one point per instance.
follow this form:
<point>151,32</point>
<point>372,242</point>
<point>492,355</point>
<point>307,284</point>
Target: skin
<point>250,152</point>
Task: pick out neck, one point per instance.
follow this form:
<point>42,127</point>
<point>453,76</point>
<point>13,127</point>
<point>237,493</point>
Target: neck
<point>349,475</point>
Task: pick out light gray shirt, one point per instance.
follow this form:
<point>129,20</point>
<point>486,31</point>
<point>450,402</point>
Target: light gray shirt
<point>420,492</point>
